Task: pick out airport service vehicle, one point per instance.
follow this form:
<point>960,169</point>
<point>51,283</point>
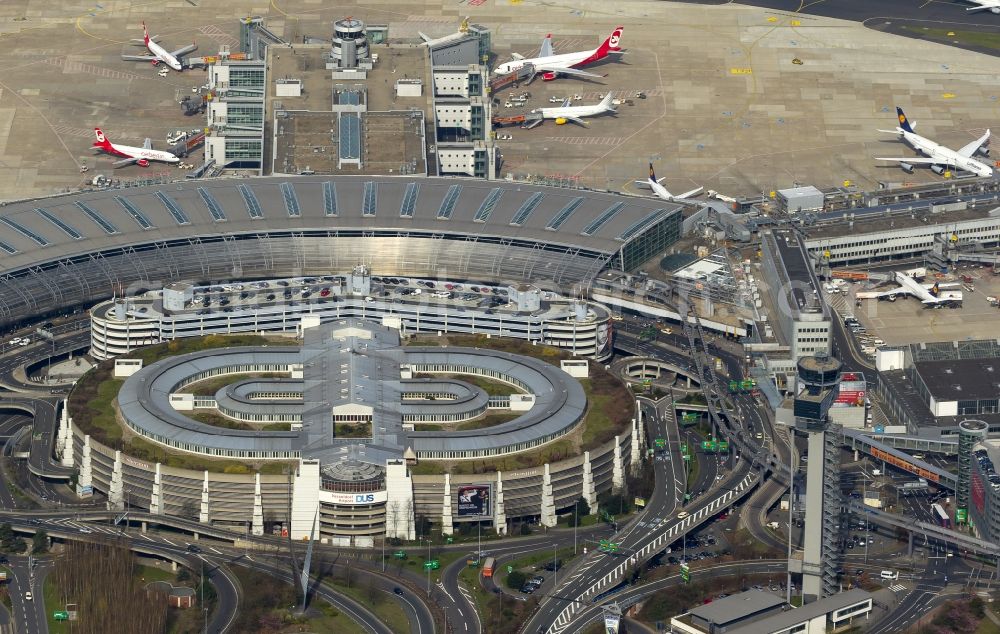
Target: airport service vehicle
<point>937,156</point>
<point>654,184</point>
<point>928,294</point>
<point>993,6</point>
<point>889,575</point>
<point>550,65</point>
<point>566,113</point>
<point>141,156</point>
<point>489,566</point>
<point>157,54</point>
<point>940,515</point>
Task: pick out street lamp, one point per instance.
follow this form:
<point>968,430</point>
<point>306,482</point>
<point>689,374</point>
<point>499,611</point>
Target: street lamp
<point>427,566</point>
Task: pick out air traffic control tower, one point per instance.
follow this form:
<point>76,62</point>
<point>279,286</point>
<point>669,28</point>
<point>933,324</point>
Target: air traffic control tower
<point>818,377</point>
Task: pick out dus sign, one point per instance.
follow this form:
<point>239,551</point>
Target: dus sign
<point>352,498</point>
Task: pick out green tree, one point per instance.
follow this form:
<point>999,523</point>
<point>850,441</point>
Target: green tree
<point>9,541</point>
<point>40,542</point>
<point>516,579</point>
<point>582,509</point>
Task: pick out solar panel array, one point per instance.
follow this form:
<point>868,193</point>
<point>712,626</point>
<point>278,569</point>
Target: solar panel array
<point>564,214</point>
<point>174,209</point>
<point>603,219</point>
<point>250,199</point>
<point>98,219</point>
<point>291,201</point>
<point>488,205</point>
<point>640,225</point>
<point>525,211</point>
<point>409,204</point>
<point>66,228</point>
<point>448,204</point>
<point>213,205</point>
<point>329,198</point>
<point>24,231</point>
<point>370,204</point>
<point>136,213</point>
<point>350,136</point>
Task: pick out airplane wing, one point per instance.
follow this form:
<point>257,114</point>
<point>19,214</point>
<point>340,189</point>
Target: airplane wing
<point>542,68</point>
<point>147,144</point>
<point>516,56</point>
<point>971,148</point>
<point>984,5</point>
<point>546,49</point>
<point>142,42</point>
<point>693,192</point>
<point>916,160</point>
<point>576,120</point>
<point>124,162</point>
<point>425,38</point>
<point>139,58</point>
<point>877,294</point>
<point>184,50</point>
<point>642,184</point>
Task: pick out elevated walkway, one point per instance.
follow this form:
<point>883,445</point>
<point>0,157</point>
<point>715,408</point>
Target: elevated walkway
<point>525,73</point>
<point>882,448</point>
<point>932,531</point>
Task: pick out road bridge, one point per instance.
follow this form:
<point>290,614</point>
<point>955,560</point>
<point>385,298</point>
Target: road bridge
<point>877,447</point>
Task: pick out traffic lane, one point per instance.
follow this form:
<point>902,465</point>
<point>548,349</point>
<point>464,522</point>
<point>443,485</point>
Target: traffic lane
<point>630,542</point>
<point>13,358</point>
<point>458,604</point>
<point>30,613</point>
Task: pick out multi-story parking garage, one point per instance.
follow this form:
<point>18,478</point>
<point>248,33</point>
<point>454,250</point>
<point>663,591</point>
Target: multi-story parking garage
<point>546,244</point>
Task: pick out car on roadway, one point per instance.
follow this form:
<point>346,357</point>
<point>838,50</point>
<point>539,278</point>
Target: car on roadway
<point>682,515</point>
<point>27,596</point>
<point>398,591</point>
<point>84,529</point>
<point>193,548</point>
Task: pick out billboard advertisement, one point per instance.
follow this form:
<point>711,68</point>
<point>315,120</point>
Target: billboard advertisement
<point>475,500</point>
<point>605,336</point>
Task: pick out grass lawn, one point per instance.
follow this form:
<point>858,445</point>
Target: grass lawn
<point>208,387</point>
<point>987,626</point>
<point>148,574</point>
<point>52,604</point>
<point>983,39</point>
<point>531,564</point>
<point>385,608</point>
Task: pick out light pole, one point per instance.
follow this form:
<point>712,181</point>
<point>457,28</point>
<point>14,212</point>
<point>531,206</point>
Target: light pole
<point>576,522</point>
<point>427,565</point>
<point>555,566</point>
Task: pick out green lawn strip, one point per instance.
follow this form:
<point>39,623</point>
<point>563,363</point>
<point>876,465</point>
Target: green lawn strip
<point>53,604</point>
<point>208,387</point>
<point>469,577</point>
<point>385,607</point>
<point>149,574</point>
<point>532,564</point>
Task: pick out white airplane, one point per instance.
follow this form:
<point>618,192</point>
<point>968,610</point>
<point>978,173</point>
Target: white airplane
<point>158,55</point>
<point>141,156</point>
<point>463,31</point>
<point>938,156</point>
<point>928,294</point>
<point>660,191</point>
<point>566,113</point>
<point>993,6</point>
<point>551,66</point>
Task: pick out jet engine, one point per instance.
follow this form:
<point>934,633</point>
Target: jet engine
<point>906,167</point>
<point>142,163</point>
<point>938,169</point>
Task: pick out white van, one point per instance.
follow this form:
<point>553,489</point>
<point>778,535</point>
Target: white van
<point>889,575</point>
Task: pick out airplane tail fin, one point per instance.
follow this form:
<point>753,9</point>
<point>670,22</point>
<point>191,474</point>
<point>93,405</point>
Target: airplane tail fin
<point>102,141</point>
<point>652,175</point>
<point>611,44</point>
<point>935,290</point>
<point>606,102</point>
<point>904,123</point>
<point>145,34</point>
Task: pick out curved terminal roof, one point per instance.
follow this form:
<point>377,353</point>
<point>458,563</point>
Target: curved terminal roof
<point>352,367</point>
<point>42,230</point>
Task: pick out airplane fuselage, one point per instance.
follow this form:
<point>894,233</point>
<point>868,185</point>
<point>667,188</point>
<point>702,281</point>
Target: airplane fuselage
<point>946,155</point>
<point>566,60</point>
<point>163,55</point>
<point>572,111</point>
<point>128,151</point>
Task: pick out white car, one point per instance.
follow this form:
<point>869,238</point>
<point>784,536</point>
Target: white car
<point>27,596</point>
<point>682,515</point>
<point>25,341</point>
<point>15,341</point>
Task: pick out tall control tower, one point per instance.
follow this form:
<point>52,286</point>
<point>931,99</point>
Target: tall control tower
<point>818,377</point>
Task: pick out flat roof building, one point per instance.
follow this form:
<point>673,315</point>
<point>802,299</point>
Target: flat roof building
<point>754,612</point>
